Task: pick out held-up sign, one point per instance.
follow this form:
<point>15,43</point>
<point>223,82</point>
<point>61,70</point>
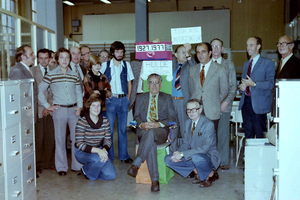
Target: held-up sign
<point>191,35</point>
<point>158,67</point>
<point>153,51</point>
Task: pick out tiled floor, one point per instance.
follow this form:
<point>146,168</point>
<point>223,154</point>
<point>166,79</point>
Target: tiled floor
<point>72,187</point>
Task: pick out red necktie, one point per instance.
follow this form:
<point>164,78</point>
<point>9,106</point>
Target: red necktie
<point>177,80</point>
<point>248,92</point>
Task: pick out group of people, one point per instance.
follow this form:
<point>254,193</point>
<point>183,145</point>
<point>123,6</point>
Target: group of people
<point>87,92</point>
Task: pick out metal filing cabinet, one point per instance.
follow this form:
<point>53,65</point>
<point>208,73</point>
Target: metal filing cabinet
<point>17,152</point>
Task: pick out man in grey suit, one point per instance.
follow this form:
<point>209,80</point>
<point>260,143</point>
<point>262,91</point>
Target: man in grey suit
<point>226,105</point>
<point>198,149</point>
<point>44,128</point>
<point>154,111</point>
<point>208,82</point>
<point>180,88</point>
<point>256,86</point>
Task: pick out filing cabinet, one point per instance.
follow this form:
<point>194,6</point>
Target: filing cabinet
<point>17,150</point>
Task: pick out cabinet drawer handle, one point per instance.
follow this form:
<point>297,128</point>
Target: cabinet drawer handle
<point>17,193</point>
<point>26,107</point>
<point>0,164</point>
<point>30,181</point>
<point>26,94</point>
<point>27,132</point>
<point>28,144</point>
<point>13,112</point>
<point>15,153</point>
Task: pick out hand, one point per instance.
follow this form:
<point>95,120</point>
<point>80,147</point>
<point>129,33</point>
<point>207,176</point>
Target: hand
<point>177,155</point>
<point>188,48</point>
<point>78,111</point>
<point>53,108</point>
<point>103,155</point>
<point>224,106</point>
<point>242,87</point>
<point>46,112</point>
<point>148,125</point>
<point>96,92</point>
<point>248,81</point>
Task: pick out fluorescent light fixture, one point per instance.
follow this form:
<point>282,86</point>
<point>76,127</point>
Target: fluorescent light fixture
<point>106,1</point>
<point>149,1</point>
<point>69,3</point>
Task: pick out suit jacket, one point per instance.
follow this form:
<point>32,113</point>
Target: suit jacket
<point>19,71</point>
<point>291,69</point>
<point>214,90</point>
<point>165,109</point>
<point>136,67</point>
<point>38,78</point>
<point>203,141</point>
<point>263,74</point>
<point>184,76</point>
<point>230,70</point>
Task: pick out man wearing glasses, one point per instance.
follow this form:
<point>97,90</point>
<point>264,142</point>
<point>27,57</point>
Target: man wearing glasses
<point>85,56</point>
<point>153,112</point>
<point>289,66</point>
<point>198,149</point>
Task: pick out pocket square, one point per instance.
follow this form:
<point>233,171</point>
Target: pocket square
<point>199,134</point>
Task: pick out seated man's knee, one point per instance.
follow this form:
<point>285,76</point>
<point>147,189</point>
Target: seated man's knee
<point>198,158</point>
<point>168,160</point>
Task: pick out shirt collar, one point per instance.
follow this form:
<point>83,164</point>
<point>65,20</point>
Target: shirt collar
<point>219,60</point>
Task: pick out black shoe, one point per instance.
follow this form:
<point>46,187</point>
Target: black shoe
<point>73,170</point>
<point>192,175</point>
<point>81,172</point>
<point>155,186</point>
<point>132,171</point>
<point>62,173</point>
<point>128,160</point>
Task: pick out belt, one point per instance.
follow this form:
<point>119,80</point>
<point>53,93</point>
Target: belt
<point>177,98</point>
<point>118,95</point>
<point>67,106</point>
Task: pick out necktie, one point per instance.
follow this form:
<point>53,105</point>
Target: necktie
<point>45,71</point>
<point>202,75</point>
<point>152,111</point>
<point>193,129</point>
<point>177,80</point>
<point>279,69</point>
<point>248,92</point>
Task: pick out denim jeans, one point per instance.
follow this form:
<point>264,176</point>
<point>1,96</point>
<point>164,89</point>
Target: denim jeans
<point>199,161</point>
<point>94,168</point>
<point>118,106</point>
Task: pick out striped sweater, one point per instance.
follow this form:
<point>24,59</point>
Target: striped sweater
<point>89,135</point>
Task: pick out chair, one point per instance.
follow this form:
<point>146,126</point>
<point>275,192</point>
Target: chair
<point>239,135</point>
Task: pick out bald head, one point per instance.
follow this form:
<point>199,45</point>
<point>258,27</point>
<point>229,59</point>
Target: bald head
<point>285,46</point>
<point>75,54</point>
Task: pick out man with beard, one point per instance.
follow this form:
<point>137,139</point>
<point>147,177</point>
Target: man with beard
<point>119,74</point>
<point>52,61</point>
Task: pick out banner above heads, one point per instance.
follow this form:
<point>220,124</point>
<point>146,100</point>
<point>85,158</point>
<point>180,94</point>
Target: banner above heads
<point>192,35</point>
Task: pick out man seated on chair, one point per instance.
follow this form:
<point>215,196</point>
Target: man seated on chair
<point>198,149</point>
<point>153,112</point>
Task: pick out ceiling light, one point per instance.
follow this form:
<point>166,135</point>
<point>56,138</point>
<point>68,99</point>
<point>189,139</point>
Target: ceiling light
<point>106,1</point>
<point>69,3</point>
<point>149,0</point>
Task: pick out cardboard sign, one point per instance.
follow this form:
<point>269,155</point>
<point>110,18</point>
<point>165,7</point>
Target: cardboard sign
<point>153,51</point>
<point>158,67</point>
<point>191,35</point>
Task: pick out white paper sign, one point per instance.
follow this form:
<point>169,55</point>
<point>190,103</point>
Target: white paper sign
<point>191,35</point>
<point>159,67</point>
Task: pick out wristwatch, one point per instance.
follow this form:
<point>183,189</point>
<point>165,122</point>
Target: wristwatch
<point>254,85</point>
<point>181,154</point>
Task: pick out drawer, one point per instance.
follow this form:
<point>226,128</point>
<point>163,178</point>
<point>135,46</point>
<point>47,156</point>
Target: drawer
<point>2,187</point>
<point>260,157</point>
<point>26,100</point>
<point>259,180</point>
<point>14,183</point>
<point>12,143</point>
<point>29,177</point>
<point>11,106</point>
<point>32,195</point>
<point>27,137</point>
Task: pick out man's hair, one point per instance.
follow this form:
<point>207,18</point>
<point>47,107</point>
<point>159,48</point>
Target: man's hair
<point>44,51</point>
<point>117,45</point>
<point>61,50</point>
<point>217,40</point>
<point>103,50</point>
<point>20,51</point>
<point>155,75</point>
<point>93,98</point>
<point>178,48</point>
<point>206,44</point>
<point>94,60</point>
<point>84,46</point>
<point>195,101</point>
<point>258,40</point>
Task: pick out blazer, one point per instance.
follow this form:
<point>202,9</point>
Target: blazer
<point>19,71</point>
<point>203,141</point>
<point>230,70</point>
<point>165,109</point>
<point>214,90</point>
<point>291,69</point>
<point>263,74</point>
<point>184,76</point>
<point>38,78</point>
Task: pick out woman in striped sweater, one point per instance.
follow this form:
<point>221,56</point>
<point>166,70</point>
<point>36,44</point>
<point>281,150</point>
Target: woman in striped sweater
<point>93,141</point>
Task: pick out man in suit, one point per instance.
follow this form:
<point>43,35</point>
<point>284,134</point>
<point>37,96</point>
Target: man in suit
<point>289,67</point>
<point>180,88</point>
<point>256,86</point>
<point>208,82</point>
<point>75,66</point>
<point>44,128</point>
<point>154,111</point>
<point>226,105</point>
<point>198,149</point>
<point>85,56</point>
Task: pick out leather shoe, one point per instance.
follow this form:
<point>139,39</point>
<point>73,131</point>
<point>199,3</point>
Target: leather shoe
<point>81,172</point>
<point>215,176</point>
<point>192,175</point>
<point>155,186</point>
<point>128,160</point>
<point>62,173</point>
<point>132,171</point>
<point>196,180</point>
<point>207,182</point>
<point>224,167</point>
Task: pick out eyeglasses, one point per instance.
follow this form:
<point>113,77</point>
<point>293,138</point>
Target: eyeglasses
<point>284,44</point>
<point>216,46</point>
<point>192,110</point>
<point>102,56</point>
<point>85,54</point>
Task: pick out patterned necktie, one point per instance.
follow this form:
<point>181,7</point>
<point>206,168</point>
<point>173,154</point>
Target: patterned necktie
<point>152,111</point>
<point>193,129</point>
<point>202,75</point>
<point>248,92</point>
<point>279,68</point>
<point>177,80</point>
<point>45,71</point>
